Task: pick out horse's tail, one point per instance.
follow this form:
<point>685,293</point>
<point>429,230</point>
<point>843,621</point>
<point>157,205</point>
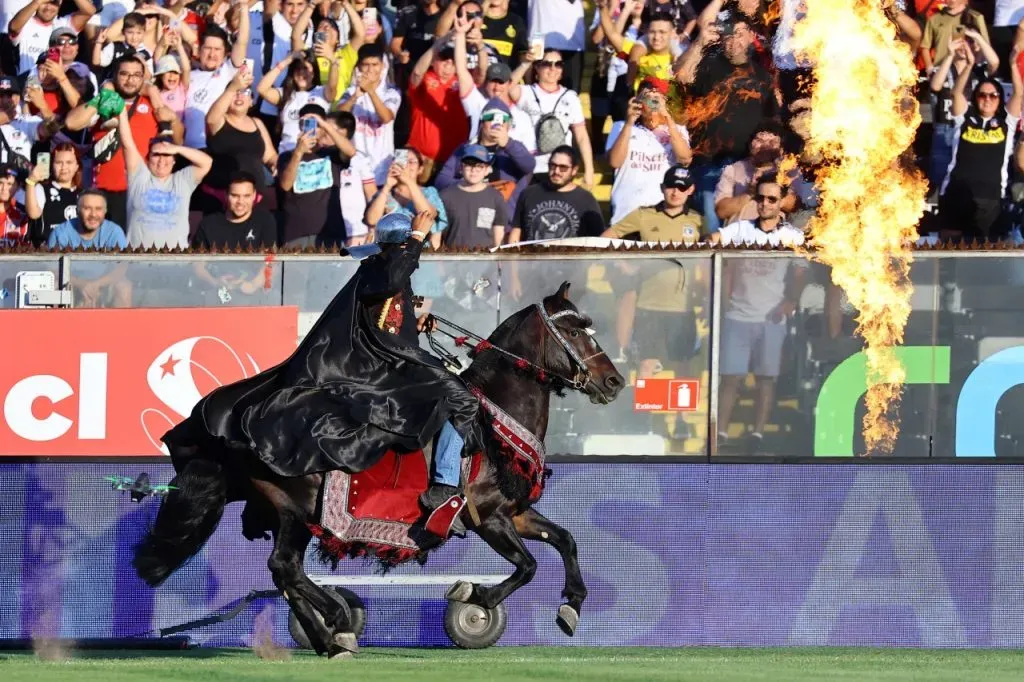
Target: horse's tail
<point>187,518</point>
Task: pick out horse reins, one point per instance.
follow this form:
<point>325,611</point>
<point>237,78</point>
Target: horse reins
<point>582,377</point>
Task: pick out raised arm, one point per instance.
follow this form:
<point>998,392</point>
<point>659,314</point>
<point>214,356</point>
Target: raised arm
<point>238,50</point>
<point>466,82</point>
<point>201,161</point>
<point>300,28</point>
<point>963,79</point>
<point>1013,107</point>
<point>986,49</point>
<point>219,109</point>
<point>266,88</point>
<point>686,67</point>
<point>423,63</point>
<point>358,37</point>
<point>132,159</point>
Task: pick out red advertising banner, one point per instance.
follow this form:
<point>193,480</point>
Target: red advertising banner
<point>112,382</point>
<point>662,395</point>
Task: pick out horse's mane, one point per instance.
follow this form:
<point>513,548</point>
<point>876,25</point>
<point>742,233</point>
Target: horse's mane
<point>487,360</point>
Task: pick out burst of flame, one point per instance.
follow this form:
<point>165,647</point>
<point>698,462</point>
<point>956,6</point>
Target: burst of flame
<point>870,203</point>
<point>698,112</point>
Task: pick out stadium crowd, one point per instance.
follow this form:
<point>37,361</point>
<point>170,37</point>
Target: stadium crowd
<point>295,123</point>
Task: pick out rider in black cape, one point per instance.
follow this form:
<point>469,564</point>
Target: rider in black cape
<point>358,384</point>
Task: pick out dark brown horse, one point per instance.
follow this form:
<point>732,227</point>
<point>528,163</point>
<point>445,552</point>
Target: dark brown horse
<point>540,350</point>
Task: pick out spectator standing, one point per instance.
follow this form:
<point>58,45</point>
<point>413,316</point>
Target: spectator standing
<point>89,228</point>
<point>561,23</point>
<point>211,76</point>
<point>512,163</point>
<point>144,117</point>
<point>505,32</point>
<point>357,184</point>
<point>241,225</point>
<point>237,142</point>
<point>670,220</point>
<point>437,120</point>
<point>647,143</point>
<point>31,27</point>
<point>477,216</point>
<point>734,195</point>
<point>731,77</point>
<point>949,23</point>
<point>107,49</point>
<point>158,197</point>
<point>556,207</point>
<point>556,114</point>
<point>500,83</point>
<point>13,219</point>
<point>301,86</point>
<point>374,102</point>
<point>970,199</point>
<point>309,180</point>
<point>52,199</point>
<point>335,58</point>
<point>172,74</point>
<point>17,133</point>
<point>414,32</point>
<point>761,295</point>
<point>279,20</point>
<point>403,193</point>
<point>942,81</point>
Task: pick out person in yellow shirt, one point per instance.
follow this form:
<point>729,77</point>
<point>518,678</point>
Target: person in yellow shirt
<point>650,58</point>
<point>325,47</point>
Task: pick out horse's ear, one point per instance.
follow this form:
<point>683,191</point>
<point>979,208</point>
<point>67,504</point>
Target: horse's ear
<point>563,291</point>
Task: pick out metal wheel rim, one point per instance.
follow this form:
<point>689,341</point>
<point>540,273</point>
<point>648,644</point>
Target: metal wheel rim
<point>473,619</point>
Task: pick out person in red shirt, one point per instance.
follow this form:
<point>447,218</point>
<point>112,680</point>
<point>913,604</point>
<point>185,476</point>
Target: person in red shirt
<point>144,117</point>
<point>438,123</point>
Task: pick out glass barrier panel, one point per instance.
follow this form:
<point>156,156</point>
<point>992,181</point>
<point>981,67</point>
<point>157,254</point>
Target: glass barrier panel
<point>174,282</point>
<point>651,317</point>
<point>32,270</point>
<point>792,377</point>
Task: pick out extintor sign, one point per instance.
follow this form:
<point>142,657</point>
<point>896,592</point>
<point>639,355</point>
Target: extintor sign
<point>666,395</point>
<point>112,382</point>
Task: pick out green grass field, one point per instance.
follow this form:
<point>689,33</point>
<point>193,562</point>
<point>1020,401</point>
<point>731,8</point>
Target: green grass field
<point>527,663</point>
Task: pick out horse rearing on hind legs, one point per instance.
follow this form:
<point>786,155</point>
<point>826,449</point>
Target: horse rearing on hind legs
<point>542,349</point>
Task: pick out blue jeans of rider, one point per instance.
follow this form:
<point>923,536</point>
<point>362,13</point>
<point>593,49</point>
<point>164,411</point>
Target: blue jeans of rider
<point>448,456</point>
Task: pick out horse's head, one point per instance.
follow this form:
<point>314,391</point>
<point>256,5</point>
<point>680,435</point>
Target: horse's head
<point>572,351</point>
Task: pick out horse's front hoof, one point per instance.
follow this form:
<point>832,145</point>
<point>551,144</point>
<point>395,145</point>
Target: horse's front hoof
<point>347,642</point>
<point>567,619</point>
<point>340,655</point>
<point>461,591</point>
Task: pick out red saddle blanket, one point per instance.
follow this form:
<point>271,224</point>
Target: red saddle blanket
<point>377,512</point>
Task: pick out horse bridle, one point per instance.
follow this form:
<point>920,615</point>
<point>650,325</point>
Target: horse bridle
<point>582,375</point>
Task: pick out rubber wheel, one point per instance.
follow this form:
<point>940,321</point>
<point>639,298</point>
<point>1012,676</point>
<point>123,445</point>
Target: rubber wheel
<point>356,615</point>
<point>473,627</point>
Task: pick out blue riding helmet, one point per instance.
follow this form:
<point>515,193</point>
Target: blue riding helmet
<point>394,228</point>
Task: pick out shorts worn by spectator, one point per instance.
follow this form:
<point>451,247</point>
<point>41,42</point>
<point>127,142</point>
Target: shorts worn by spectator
<point>477,215</point>
<point>556,207</point>
<point>91,229</point>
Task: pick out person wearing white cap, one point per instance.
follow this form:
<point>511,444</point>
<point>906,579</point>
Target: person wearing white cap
<point>171,78</point>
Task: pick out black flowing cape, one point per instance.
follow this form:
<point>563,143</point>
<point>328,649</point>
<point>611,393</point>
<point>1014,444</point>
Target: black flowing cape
<point>349,392</point>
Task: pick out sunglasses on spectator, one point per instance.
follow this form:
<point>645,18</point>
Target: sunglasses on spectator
<point>499,116</point>
<point>63,41</point>
<point>767,198</point>
<point>559,167</point>
<point>988,95</point>
<point>551,64</point>
<point>472,16</point>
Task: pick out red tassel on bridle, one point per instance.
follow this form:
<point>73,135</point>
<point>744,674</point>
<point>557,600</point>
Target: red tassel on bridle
<point>482,346</point>
<point>460,341</point>
<point>522,364</point>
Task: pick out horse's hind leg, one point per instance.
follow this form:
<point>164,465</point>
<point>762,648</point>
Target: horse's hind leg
<point>532,525</point>
<point>500,534</point>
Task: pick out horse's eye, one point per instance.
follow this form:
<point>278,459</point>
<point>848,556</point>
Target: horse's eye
<point>575,332</point>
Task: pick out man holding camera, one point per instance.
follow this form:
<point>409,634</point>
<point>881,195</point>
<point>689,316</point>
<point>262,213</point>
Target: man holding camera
<point>643,146</point>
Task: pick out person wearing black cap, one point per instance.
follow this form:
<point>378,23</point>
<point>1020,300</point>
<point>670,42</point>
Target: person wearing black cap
<point>670,220</point>
<point>310,180</point>
<point>500,83</point>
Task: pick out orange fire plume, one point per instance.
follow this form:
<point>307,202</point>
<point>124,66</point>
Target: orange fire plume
<point>870,203</point>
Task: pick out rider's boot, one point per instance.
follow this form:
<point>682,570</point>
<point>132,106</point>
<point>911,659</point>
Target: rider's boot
<point>444,484</point>
<point>436,495</point>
